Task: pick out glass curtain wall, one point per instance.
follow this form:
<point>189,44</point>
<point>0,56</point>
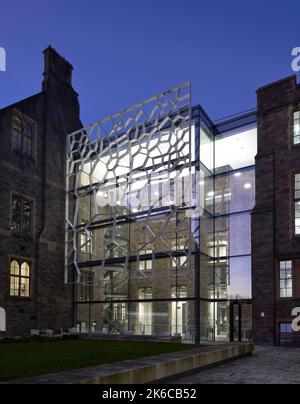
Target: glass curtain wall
<point>132,199</point>
<point>234,199</point>
<point>193,279</point>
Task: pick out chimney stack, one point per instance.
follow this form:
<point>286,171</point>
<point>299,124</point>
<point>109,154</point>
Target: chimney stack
<point>57,68</point>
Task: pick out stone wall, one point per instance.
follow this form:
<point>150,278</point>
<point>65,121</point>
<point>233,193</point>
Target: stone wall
<point>55,113</point>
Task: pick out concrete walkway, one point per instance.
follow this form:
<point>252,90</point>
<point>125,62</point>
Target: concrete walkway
<point>268,365</point>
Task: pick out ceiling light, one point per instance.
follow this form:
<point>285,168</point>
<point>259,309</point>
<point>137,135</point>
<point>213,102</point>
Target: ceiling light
<point>247,186</point>
<point>237,174</point>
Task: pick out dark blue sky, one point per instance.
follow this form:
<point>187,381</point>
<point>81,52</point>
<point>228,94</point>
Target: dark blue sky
<point>124,51</point>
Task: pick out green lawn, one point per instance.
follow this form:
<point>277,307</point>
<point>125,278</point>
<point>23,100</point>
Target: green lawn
<point>21,360</point>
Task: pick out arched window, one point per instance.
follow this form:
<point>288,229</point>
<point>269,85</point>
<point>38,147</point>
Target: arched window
<point>22,136</point>
<point>19,279</point>
<point>21,222</point>
<point>14,278</point>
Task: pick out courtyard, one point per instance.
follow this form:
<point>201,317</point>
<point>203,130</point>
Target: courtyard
<point>268,365</point>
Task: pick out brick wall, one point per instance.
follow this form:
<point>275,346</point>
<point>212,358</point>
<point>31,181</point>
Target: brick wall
<point>273,220</point>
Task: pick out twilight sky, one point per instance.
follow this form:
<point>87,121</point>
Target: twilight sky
<point>126,51</point>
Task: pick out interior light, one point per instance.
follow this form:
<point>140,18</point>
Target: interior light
<point>237,174</point>
<point>210,193</point>
<point>247,186</point>
<point>135,210</point>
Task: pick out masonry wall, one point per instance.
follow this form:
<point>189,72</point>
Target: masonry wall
<point>55,113</point>
<point>273,238</point>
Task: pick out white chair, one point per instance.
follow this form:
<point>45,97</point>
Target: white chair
<point>62,333</point>
<point>49,333</point>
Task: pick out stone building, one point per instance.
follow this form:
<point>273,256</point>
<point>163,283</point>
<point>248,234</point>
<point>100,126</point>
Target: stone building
<point>275,219</point>
<point>32,202</point>
<point>144,265</point>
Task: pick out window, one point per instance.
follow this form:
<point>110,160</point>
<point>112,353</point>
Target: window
<point>179,312</point>
<point>19,279</point>
<point>85,288</point>
<point>179,262</point>
<point>286,334</point>
<point>227,195</point>
<point>86,242</point>
<point>297,203</point>
<point>296,134</point>
<point>286,328</point>
<point>286,279</point>
<point>179,244</point>
<point>115,244</point>
<point>119,312</point>
<point>22,136</point>
<point>21,221</point>
<point>145,312</point>
<point>218,197</point>
<point>146,265</point>
<point>82,327</point>
<point>223,195</point>
<point>218,246</point>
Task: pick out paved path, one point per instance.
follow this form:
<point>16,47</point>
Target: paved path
<point>270,365</point>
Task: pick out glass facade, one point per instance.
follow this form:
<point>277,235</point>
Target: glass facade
<point>162,246</point>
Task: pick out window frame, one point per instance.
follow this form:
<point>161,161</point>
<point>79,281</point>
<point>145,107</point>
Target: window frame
<point>31,202</point>
<point>146,265</point>
<point>20,277</point>
<point>285,279</point>
<point>25,121</point>
<point>296,202</point>
<point>179,263</point>
<point>296,127</point>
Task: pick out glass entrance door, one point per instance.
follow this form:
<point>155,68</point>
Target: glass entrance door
<point>240,321</point>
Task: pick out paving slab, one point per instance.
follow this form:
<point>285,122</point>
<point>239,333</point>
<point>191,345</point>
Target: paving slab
<point>268,365</point>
